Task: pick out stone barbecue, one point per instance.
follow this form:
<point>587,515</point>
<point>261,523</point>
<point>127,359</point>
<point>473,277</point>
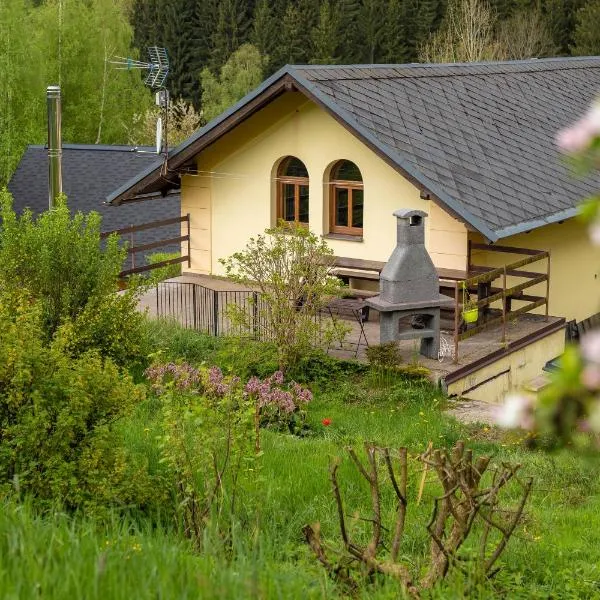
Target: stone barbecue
<point>409,300</point>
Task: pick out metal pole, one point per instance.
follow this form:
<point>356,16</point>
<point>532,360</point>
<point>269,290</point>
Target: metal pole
<point>504,305</point>
<point>54,144</point>
<point>189,249</point>
<point>215,312</point>
<point>456,321</point>
<point>548,286</point>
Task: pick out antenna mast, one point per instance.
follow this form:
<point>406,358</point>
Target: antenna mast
<point>157,70</point>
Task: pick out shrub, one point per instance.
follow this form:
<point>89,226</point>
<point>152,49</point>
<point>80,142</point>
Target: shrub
<point>72,276</point>
<point>289,266</point>
<point>207,443</point>
<point>161,273</point>
<point>57,415</point>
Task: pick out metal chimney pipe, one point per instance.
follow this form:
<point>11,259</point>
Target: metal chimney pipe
<point>54,144</point>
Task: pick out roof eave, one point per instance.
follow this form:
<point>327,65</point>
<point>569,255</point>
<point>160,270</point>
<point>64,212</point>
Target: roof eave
<point>253,101</point>
<point>527,226</point>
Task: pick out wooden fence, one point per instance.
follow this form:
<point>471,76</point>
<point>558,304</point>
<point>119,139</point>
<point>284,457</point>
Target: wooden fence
<point>487,294</point>
<point>133,249</point>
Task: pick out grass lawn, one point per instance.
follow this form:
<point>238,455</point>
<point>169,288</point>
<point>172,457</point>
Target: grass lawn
<point>554,554</point>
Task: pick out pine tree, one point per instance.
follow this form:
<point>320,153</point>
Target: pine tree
<point>240,74</point>
<point>293,46</point>
<point>350,42</point>
<point>264,35</point>
<point>587,30</point>
<point>393,42</point>
<point>371,26</point>
<point>231,32</point>
<point>324,37</point>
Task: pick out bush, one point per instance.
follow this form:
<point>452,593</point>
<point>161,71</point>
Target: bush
<point>290,267</point>
<point>72,276</point>
<point>56,418</point>
<point>161,273</point>
<point>207,442</point>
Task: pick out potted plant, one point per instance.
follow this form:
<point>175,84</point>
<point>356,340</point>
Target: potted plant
<point>470,312</point>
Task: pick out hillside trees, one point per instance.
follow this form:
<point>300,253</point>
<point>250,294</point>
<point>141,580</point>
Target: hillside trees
<point>242,72</point>
<point>586,38</point>
<point>64,42</point>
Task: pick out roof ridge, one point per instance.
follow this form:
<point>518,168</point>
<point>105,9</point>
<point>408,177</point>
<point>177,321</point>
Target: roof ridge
<point>97,147</point>
<point>470,68</point>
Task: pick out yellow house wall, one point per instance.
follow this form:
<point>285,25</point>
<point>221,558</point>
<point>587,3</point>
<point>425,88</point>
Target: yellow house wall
<point>574,267</point>
<point>521,367</point>
<point>233,196</point>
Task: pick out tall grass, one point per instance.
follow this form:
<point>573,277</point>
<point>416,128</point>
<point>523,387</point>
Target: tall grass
<point>555,554</point>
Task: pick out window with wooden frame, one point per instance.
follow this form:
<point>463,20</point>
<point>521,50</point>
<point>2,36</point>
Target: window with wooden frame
<point>292,191</point>
<point>346,199</point>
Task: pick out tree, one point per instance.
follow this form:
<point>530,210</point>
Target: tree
<point>294,43</point>
<point>324,36</point>
<point>231,31</point>
<point>393,40</point>
<point>21,86</point>
<point>77,38</point>
<point>182,122</point>
<point>370,28</point>
<point>587,31</point>
<point>264,35</point>
<point>350,42</point>
<point>241,73</point>
<point>467,34</point>
<point>62,264</point>
<point>289,266</point>
<point>524,35</point>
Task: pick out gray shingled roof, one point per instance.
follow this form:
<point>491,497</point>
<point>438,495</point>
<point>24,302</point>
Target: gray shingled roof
<point>90,173</point>
<point>479,137</point>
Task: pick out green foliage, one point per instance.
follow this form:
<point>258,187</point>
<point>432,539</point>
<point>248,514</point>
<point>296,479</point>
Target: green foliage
<point>586,37</point>
<point>385,356</point>
<point>60,261</point>
<point>325,37</point>
<point>56,418</point>
<point>289,266</point>
<point>161,273</point>
<point>206,441</point>
<point>242,72</point>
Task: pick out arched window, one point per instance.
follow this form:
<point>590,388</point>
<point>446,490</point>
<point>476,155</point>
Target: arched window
<point>347,199</point>
<point>292,191</point>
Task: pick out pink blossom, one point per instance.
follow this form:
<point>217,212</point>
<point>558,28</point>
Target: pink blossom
<point>594,231</point>
<point>579,136</point>
<point>590,377</point>
<point>517,411</point>
<point>277,377</point>
<point>590,347</point>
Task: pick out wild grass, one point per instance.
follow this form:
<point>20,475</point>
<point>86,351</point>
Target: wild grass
<point>555,553</point>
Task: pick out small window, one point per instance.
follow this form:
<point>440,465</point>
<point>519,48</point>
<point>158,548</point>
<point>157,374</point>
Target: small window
<point>292,191</point>
<point>347,199</point>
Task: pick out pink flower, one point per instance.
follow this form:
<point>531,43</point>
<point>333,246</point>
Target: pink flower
<point>277,377</point>
<point>590,377</point>
<point>579,136</point>
<point>326,422</point>
<point>517,411</point>
<point>590,347</point>
<point>594,231</point>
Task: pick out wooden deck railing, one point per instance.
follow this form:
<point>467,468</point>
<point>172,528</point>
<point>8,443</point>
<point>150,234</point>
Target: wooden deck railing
<point>132,249</point>
<point>481,285</point>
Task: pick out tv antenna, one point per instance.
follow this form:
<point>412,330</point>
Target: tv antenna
<point>157,70</point>
<point>157,67</point>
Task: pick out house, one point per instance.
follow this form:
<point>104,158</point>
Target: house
<point>339,148</point>
<point>90,172</point>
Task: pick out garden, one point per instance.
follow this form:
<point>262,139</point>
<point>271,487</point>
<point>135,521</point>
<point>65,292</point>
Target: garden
<point>139,459</point>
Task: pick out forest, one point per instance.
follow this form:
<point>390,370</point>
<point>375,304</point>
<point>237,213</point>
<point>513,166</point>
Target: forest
<point>220,49</point>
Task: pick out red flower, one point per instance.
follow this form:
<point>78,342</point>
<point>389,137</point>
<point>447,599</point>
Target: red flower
<point>326,422</point>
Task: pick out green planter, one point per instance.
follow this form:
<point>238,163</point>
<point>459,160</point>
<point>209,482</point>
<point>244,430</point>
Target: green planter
<point>470,315</point>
